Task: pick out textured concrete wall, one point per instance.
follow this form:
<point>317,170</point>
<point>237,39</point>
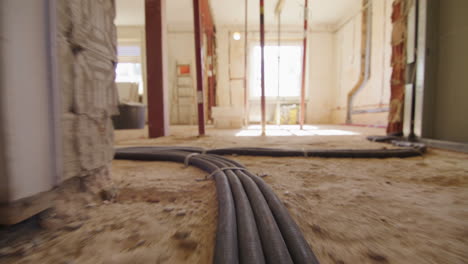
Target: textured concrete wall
<point>86,43</point>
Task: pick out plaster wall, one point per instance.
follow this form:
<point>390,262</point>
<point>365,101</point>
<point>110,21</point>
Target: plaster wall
<point>347,49</point>
<point>319,76</point>
<point>333,65</point>
<point>181,48</point>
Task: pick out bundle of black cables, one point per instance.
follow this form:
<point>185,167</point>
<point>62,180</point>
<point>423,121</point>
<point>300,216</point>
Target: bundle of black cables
<point>253,224</point>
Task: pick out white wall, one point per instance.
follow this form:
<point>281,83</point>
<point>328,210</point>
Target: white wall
<point>333,68</point>
<point>25,100</point>
<point>333,65</point>
<point>319,68</point>
<point>347,49</point>
<point>333,61</point>
<point>321,78</point>
<point>181,48</point>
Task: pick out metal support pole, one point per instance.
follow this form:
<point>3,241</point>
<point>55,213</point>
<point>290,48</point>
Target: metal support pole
<point>158,113</point>
<point>211,98</point>
<point>246,51</point>
<point>262,67</point>
<point>304,62</point>
<point>199,66</point>
<point>278,105</point>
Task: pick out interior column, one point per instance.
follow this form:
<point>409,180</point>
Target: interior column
<point>156,63</point>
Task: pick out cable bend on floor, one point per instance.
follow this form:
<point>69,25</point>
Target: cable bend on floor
<point>253,226</point>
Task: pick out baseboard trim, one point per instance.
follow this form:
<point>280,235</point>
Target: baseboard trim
<point>17,211</point>
<point>447,145</point>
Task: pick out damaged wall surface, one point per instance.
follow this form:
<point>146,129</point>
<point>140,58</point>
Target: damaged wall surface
<point>57,90</point>
<point>86,43</point>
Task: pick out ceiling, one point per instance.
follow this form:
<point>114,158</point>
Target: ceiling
<point>130,12</point>
<point>321,12</point>
<point>231,12</point>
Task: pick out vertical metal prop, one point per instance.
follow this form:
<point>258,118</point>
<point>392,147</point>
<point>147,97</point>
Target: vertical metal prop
<point>199,66</point>
<point>262,67</point>
<point>229,68</point>
<point>246,111</point>
<point>278,110</point>
<point>278,9</point>
<point>304,62</point>
<point>211,98</point>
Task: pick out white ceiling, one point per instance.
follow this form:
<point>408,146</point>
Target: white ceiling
<point>130,12</point>
<point>231,12</point>
<point>321,12</point>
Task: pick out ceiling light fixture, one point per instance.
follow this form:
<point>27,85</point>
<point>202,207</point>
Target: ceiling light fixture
<point>236,36</point>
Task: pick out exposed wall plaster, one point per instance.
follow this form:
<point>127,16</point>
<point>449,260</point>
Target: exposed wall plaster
<point>86,44</point>
<point>399,35</point>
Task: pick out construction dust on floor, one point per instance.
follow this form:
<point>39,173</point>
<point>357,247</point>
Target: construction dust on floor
<point>393,210</point>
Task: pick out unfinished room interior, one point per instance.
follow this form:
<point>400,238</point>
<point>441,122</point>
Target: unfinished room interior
<point>234,131</point>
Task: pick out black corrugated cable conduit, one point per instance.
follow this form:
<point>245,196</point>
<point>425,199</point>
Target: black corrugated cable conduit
<point>300,251</point>
<point>272,152</point>
<point>250,247</point>
<point>226,250</point>
<point>253,224</point>
<point>273,244</point>
<point>325,153</point>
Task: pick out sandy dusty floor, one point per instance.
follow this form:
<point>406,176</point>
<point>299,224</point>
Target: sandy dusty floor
<point>351,210</point>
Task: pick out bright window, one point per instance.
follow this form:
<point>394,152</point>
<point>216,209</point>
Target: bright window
<point>288,75</point>
<point>129,67</point>
<point>129,72</point>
